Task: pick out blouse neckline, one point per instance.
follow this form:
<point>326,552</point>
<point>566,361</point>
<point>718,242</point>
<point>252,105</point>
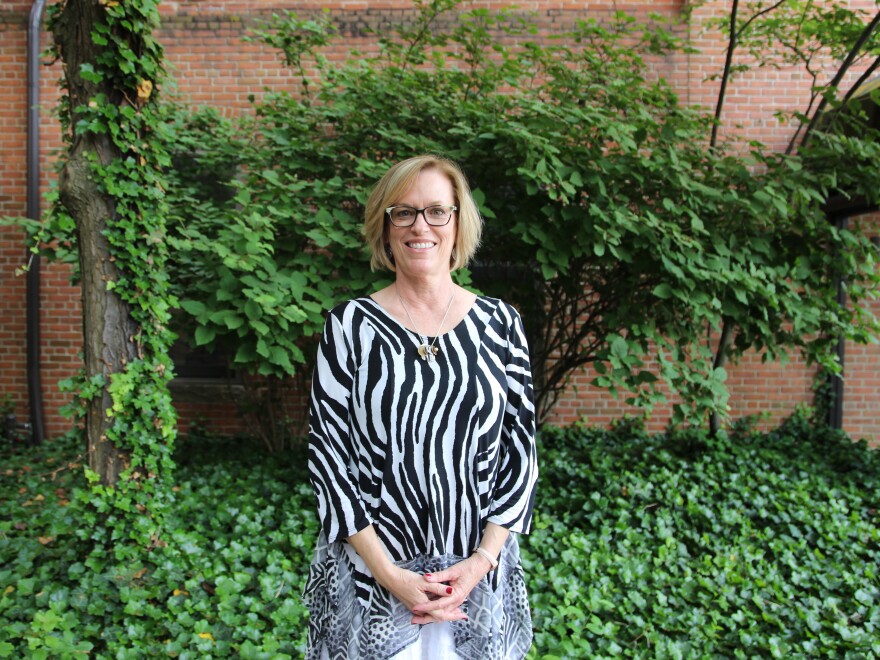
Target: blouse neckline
<point>394,320</point>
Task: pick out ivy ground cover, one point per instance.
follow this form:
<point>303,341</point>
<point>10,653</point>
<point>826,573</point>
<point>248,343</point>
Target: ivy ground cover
<point>677,545</point>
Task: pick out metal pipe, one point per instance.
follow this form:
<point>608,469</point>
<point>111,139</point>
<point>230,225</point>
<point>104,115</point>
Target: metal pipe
<point>835,382</point>
<point>35,393</point>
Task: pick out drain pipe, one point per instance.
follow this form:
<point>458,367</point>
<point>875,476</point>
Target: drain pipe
<point>35,394</point>
<point>835,381</point>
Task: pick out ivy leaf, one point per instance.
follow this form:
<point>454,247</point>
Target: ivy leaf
<point>88,73</point>
<point>662,291</point>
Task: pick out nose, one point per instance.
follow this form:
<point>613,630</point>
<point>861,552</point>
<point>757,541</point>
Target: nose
<point>421,225</point>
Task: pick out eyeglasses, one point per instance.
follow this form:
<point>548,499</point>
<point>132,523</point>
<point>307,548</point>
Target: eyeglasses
<point>405,216</point>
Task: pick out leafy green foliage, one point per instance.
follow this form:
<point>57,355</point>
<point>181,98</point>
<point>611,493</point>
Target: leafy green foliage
<point>682,546</point>
<point>228,582</point>
<point>663,546</point>
<point>619,233</point>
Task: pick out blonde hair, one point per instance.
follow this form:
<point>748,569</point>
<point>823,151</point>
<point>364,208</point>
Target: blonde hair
<point>397,181</point>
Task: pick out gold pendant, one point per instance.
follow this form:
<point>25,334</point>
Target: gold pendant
<point>428,352</point>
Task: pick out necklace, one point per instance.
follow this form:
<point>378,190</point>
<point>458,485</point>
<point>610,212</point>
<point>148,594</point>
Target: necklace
<point>427,351</point>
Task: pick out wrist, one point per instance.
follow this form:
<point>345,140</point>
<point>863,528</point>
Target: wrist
<point>486,557</point>
<point>384,574</point>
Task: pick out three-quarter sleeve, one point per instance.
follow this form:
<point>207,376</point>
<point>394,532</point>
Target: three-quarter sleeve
<point>514,494</point>
<point>340,507</point>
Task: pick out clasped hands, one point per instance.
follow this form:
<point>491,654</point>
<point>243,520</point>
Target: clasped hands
<point>436,597</point>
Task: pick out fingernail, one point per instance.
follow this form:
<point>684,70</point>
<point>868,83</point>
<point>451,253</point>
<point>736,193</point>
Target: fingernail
<point>448,590</point>
<point>428,575</point>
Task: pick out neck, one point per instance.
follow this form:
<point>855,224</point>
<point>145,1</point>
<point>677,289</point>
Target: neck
<point>425,294</point>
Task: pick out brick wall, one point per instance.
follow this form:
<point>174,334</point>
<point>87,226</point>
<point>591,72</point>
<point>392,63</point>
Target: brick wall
<point>861,402</point>
<point>12,201</point>
<point>213,66</point>
<point>770,391</point>
<point>60,306</point>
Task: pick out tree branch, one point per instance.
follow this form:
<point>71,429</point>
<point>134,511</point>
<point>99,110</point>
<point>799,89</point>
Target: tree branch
<point>862,79</point>
<point>725,75</point>
<point>720,360</point>
<point>728,61</point>
<point>838,77</point>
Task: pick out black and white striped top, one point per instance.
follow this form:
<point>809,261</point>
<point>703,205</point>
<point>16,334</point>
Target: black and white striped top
<point>427,452</point>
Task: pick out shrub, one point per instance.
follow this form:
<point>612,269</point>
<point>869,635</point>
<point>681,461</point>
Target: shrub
<point>613,224</point>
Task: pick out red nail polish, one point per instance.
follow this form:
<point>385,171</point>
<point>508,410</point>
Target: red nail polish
<point>448,590</point>
<point>427,575</point>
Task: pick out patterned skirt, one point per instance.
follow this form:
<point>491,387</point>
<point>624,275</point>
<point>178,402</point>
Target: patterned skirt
<point>352,617</point>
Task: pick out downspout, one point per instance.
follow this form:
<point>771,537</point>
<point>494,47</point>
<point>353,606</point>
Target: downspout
<point>35,394</point>
<point>835,381</point>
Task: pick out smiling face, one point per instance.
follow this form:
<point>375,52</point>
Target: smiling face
<point>421,249</point>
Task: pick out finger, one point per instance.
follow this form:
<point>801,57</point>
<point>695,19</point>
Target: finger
<point>436,616</point>
<point>448,602</point>
<point>449,615</point>
<point>435,591</point>
<point>441,576</point>
<point>422,619</point>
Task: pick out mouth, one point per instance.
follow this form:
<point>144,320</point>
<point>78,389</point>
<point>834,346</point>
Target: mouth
<point>420,245</point>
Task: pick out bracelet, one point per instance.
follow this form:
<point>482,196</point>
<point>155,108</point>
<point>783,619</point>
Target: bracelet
<point>489,558</point>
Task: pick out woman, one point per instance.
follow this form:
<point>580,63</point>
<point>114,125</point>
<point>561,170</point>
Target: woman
<point>421,446</point>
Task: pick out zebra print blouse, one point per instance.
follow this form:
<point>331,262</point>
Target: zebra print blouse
<point>427,452</point>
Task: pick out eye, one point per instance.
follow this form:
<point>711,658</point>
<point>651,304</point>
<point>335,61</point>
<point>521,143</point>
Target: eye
<point>403,214</point>
<point>437,211</point>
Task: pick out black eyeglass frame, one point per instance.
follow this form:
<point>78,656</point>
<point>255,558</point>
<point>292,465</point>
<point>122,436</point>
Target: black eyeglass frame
<point>452,209</point>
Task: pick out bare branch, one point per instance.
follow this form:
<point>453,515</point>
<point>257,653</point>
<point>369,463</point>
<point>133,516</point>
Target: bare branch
<point>728,60</point>
<point>758,15</point>
<point>725,76</point>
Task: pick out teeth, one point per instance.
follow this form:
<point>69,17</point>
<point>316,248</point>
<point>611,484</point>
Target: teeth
<point>420,246</point>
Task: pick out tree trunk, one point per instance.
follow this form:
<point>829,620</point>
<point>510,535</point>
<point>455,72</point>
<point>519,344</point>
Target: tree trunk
<point>108,329</point>
<point>720,361</point>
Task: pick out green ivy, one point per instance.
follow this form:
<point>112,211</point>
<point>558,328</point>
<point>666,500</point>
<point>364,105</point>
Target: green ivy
<point>228,583</point>
<point>668,546</point>
<point>130,64</point>
<point>112,535</point>
<point>688,546</point>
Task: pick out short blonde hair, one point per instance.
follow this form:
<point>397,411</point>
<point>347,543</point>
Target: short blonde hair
<point>399,179</point>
